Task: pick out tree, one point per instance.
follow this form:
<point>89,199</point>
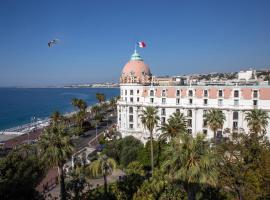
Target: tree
<point>102,166</point>
<point>244,166</point>
<point>20,172</point>
<point>149,119</point>
<point>95,109</point>
<point>56,147</point>
<point>135,167</point>
<point>81,114</point>
<point>215,119</point>
<point>176,125</point>
<point>56,117</point>
<point>76,184</point>
<point>192,162</point>
<point>257,120</point>
<point>100,97</point>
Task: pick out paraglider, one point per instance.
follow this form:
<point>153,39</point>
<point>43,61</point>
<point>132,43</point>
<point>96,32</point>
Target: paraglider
<point>52,42</point>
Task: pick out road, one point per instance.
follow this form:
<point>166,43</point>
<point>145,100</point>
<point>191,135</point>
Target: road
<point>83,140</point>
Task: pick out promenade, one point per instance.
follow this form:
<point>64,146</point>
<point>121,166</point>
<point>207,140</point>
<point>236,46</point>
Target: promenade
<point>87,139</point>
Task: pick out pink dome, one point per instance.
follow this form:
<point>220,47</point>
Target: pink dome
<point>136,68</point>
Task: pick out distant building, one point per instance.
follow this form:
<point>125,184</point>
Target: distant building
<point>246,75</point>
<point>138,89</point>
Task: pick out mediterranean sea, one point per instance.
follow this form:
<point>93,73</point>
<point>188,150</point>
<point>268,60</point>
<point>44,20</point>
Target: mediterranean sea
<point>19,105</point>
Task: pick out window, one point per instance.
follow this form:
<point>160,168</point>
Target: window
<point>255,102</point>
<point>220,102</point>
<point>151,100</point>
<point>205,102</point>
<point>163,93</point>
<point>205,93</point>
<point>130,118</point>
<point>190,93</point>
<point>220,93</point>
<point>125,98</point>
<point>138,99</point>
<point>205,131</point>
<point>130,110</point>
<point>131,92</point>
<point>204,123</point>
<point>163,100</point>
<point>163,111</point>
<point>138,91</point>
<point>177,110</point>
<point>204,112</point>
<point>189,122</point>
<point>255,94</point>
<point>189,113</point>
<point>125,92</point>
<point>178,93</point>
<point>235,115</point>
<point>236,102</point>
<point>177,101</point>
<point>151,93</point>
<point>235,125</point>
<point>190,101</point>
<point>163,120</point>
<point>131,99</point>
<point>236,93</point>
<point>131,126</point>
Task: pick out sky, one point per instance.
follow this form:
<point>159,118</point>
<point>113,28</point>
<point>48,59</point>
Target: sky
<point>97,38</point>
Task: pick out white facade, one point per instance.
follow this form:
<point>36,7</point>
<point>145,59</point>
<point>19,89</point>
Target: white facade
<point>193,101</point>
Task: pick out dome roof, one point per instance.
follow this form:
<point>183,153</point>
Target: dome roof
<point>136,67</point>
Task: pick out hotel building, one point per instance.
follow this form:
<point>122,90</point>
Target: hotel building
<point>139,88</point>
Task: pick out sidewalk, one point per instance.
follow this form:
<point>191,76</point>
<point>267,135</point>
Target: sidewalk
<point>54,193</point>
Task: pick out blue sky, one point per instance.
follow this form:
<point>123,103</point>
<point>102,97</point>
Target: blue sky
<point>97,38</point>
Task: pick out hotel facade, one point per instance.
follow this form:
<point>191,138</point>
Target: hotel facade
<point>139,89</point>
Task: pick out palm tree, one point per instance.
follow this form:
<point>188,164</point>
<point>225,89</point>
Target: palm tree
<point>81,114</point>
<point>149,119</point>
<point>176,125</point>
<point>257,120</point>
<point>102,166</point>
<point>56,147</point>
<point>74,102</point>
<point>100,97</point>
<point>191,161</point>
<point>95,109</point>
<point>113,103</point>
<point>215,119</point>
<point>56,117</point>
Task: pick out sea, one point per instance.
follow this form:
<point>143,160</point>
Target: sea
<point>18,106</point>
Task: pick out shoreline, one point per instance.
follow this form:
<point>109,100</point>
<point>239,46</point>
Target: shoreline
<point>38,124</point>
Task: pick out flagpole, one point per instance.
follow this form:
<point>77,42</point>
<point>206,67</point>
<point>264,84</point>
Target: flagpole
<point>135,49</point>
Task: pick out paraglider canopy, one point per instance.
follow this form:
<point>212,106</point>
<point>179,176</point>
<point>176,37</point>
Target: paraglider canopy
<point>52,42</point>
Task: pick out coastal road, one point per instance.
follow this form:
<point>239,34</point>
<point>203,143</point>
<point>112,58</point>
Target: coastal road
<point>83,140</point>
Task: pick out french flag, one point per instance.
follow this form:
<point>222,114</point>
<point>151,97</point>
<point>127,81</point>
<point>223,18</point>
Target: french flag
<point>141,44</point>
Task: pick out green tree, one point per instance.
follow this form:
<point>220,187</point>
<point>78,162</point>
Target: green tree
<point>135,167</point>
<point>76,184</point>
<point>215,119</point>
<point>102,166</point>
<point>20,172</point>
<point>56,117</point>
<point>56,147</point>
<point>100,97</point>
<point>176,125</point>
<point>244,166</point>
<point>257,120</point>
<point>191,161</point>
<point>149,119</point>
